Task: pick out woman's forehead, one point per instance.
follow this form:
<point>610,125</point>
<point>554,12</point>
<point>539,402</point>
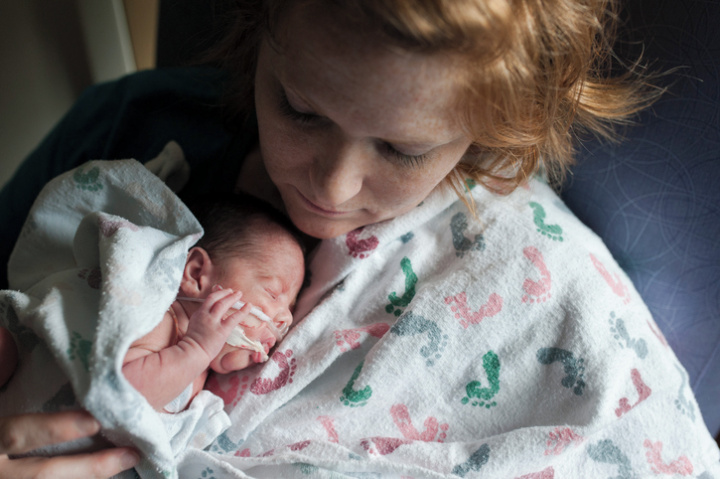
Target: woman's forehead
<point>351,76</point>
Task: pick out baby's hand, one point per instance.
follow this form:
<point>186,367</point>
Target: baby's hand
<point>207,328</point>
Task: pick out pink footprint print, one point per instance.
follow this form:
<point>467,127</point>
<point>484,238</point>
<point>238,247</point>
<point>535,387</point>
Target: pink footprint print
<point>329,425</point>
<point>360,248</point>
<point>401,417</point>
<point>643,393</point>
<point>681,465</point>
<point>233,393</point>
<point>287,371</point>
<point>615,283</point>
<point>461,309</point>
<point>536,291</point>
<point>560,439</point>
<point>349,337</point>
<point>110,227</point>
<point>547,473</point>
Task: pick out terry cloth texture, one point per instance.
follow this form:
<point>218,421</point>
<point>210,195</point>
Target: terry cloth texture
<point>97,264</point>
<point>442,345</point>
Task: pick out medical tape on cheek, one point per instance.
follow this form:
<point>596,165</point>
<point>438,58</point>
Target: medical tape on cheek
<point>237,337</point>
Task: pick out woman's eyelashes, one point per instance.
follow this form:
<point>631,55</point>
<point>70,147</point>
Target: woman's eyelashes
<point>404,158</point>
<point>311,119</point>
<point>290,112</point>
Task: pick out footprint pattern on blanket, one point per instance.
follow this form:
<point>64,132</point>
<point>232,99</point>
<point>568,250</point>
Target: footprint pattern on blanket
<point>554,232</point>
<point>607,452</point>
<point>235,391</point>
<point>108,227</point>
<point>398,303</point>
<point>476,461</point>
<point>480,396</point>
<point>347,339</point>
<point>684,405</point>
<point>87,181</point>
<point>79,349</point>
<point>352,397</point>
<point>681,465</point>
<point>537,291</point>
<point>329,424</point>
<point>287,365</point>
<point>467,317</point>
<point>433,432</point>
<point>573,367</point>
<point>642,389</point>
<point>614,281</point>
<point>360,247</point>
<point>560,439</point>
<point>93,277</point>
<point>224,445</point>
<point>462,244</point>
<point>547,473</point>
<point>411,324</point>
<point>207,473</point>
<point>405,239</point>
<point>620,332</point>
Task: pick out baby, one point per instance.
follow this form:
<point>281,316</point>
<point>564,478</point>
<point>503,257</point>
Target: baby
<point>249,251</point>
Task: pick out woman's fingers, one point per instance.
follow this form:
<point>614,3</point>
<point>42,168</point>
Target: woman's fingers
<point>25,432</point>
<point>96,465</point>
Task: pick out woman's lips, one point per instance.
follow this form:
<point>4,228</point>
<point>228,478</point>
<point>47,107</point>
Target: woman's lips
<point>318,209</point>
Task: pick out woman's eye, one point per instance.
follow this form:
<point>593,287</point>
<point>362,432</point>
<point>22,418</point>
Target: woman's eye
<point>303,118</point>
<point>409,160</point>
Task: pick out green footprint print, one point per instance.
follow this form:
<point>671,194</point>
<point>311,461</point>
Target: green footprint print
<point>354,398</point>
<point>411,279</point>
<point>607,452</point>
<point>412,324</point>
<point>79,348</point>
<point>554,232</point>
<point>87,181</point>
<point>462,244</point>
<point>478,395</point>
<point>621,334</point>
<point>573,367</point>
<point>476,461</point>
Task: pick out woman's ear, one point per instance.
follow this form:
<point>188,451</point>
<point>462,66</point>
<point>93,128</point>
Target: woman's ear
<point>197,275</point>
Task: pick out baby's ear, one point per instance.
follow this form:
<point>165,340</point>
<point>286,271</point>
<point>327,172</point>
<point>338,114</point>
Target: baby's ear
<point>197,275</point>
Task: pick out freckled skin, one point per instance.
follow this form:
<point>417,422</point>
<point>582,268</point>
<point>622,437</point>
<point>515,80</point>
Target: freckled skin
<point>336,172</point>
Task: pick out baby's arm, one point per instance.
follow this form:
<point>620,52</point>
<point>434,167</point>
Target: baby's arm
<point>162,373</point>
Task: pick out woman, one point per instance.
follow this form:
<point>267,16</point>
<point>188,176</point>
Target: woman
<point>365,113</point>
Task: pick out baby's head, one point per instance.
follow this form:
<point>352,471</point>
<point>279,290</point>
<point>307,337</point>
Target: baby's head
<point>248,246</point>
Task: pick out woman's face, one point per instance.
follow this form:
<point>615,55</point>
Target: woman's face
<point>351,132</point>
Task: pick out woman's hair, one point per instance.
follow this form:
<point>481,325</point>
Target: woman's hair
<point>536,73</point>
<point>233,223</point>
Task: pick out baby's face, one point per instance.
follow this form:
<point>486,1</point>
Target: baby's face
<point>270,278</point>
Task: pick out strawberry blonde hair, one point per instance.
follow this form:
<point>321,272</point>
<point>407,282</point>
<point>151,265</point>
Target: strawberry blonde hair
<point>535,73</point>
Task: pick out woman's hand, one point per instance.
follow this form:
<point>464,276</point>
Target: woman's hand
<point>23,433</point>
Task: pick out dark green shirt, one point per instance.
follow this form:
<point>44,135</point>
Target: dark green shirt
<point>134,117</point>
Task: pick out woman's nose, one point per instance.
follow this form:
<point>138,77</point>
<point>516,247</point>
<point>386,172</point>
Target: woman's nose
<point>337,174</point>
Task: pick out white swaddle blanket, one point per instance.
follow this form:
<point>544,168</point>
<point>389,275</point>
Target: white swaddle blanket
<point>431,345</point>
<point>439,345</point>
<point>96,266</point>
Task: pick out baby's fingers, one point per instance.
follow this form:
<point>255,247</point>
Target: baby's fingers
<point>236,317</point>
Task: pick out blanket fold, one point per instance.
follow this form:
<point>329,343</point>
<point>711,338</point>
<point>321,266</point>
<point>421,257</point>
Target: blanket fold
<point>98,263</point>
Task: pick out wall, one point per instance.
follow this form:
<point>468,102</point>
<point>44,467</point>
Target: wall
<point>51,50</point>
